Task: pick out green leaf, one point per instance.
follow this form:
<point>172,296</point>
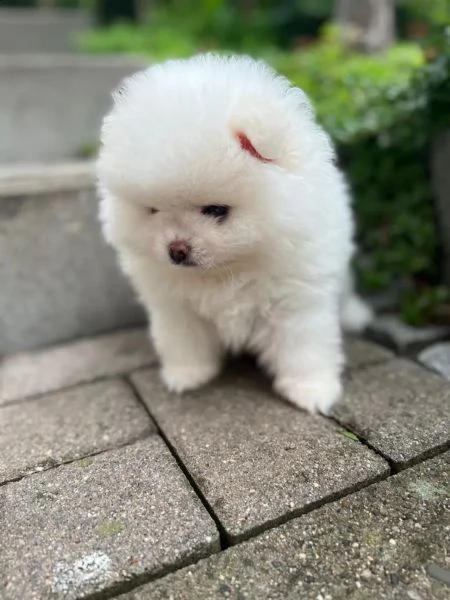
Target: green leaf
<point>348,434</point>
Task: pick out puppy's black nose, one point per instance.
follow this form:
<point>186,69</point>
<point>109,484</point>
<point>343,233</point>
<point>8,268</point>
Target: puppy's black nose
<point>179,252</point>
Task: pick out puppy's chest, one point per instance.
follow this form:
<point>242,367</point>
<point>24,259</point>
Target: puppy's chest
<point>236,313</point>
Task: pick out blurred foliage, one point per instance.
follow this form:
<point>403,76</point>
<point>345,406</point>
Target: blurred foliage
<point>87,150</point>
<point>182,32</point>
<point>381,110</point>
<point>18,3</point>
<point>108,12</point>
<point>347,87</point>
<point>390,174</point>
<point>423,306</point>
<point>434,12</point>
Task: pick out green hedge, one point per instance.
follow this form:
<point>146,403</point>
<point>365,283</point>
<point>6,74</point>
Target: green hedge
<point>389,169</point>
<point>382,112</point>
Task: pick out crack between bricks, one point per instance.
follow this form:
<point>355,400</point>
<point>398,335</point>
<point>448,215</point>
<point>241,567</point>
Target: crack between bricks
<point>122,587</point>
<point>222,535</point>
<point>398,467</point>
<point>231,541</point>
<point>140,580</point>
<point>364,442</point>
<point>394,466</point>
<point>308,508</point>
<point>109,378</point>
<point>226,540</point>
<point>43,468</point>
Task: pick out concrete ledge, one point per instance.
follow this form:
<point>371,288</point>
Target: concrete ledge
<point>58,278</point>
<point>12,16</point>
<point>41,179</point>
<point>51,107</point>
<point>50,61</point>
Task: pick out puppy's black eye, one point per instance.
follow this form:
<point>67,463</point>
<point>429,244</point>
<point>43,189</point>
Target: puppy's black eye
<point>216,211</point>
<point>152,211</point>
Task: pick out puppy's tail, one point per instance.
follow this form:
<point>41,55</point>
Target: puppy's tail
<point>356,314</point>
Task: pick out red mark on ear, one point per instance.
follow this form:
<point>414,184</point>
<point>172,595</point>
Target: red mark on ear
<point>247,146</point>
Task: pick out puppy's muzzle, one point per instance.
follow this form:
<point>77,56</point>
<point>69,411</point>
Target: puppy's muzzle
<point>180,253</point>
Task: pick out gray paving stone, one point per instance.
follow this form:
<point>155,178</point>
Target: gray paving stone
<point>43,432</point>
<point>361,353</point>
<point>437,357</point>
<point>256,459</point>
<point>31,373</point>
<point>401,409</point>
<point>99,523</point>
<point>380,543</point>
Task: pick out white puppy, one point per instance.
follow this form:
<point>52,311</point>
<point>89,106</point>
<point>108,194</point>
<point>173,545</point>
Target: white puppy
<point>220,194</point>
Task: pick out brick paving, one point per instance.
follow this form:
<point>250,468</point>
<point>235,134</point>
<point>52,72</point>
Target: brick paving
<point>88,526</point>
<point>256,460</point>
<point>64,426</point>
<point>400,409</point>
<point>111,487</point>
<point>386,541</point>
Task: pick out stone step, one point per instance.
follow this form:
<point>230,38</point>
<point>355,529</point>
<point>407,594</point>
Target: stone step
<point>58,278</point>
<point>24,30</point>
<point>51,105</point>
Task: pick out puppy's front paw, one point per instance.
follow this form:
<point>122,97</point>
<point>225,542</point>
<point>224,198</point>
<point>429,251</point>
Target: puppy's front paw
<point>313,395</point>
<point>181,379</point>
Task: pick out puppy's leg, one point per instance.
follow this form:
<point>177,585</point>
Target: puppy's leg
<point>306,357</point>
<point>187,345</point>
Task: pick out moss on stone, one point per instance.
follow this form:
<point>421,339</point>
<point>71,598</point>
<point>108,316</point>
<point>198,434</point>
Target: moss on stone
<point>110,527</point>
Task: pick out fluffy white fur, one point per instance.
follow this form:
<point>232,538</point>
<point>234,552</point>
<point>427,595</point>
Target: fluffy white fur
<point>273,278</point>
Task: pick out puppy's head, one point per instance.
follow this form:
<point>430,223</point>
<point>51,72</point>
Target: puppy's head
<point>195,158</point>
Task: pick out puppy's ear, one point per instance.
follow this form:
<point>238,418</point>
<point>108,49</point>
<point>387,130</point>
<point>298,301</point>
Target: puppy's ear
<point>247,146</point>
<point>270,129</point>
